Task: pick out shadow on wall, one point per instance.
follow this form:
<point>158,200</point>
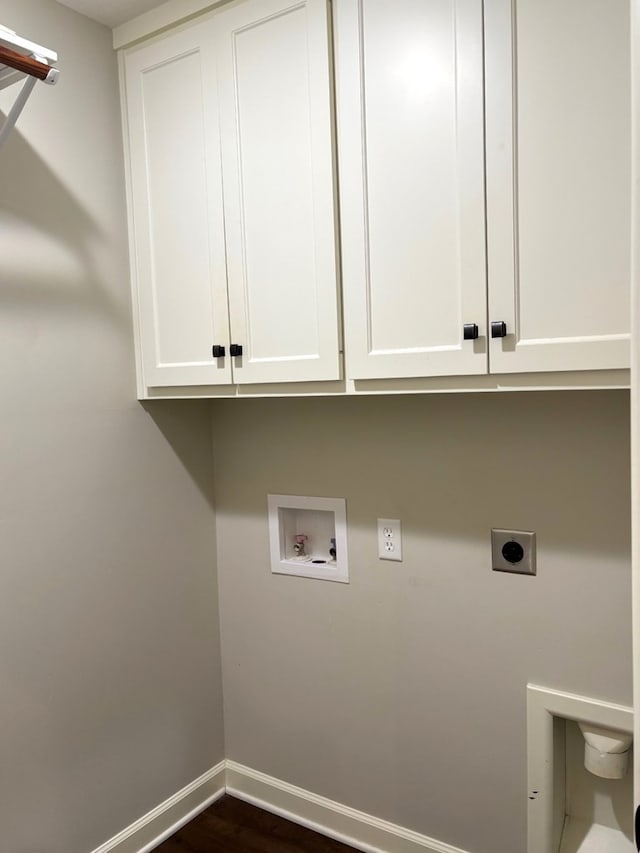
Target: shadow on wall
<point>186,426</point>
<point>48,241</point>
<point>450,466</point>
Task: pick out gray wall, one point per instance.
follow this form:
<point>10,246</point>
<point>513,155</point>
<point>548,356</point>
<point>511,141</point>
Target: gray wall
<point>109,661</point>
<point>403,693</point>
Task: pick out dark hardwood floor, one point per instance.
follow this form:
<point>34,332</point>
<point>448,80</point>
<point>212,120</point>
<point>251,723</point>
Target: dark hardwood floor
<point>232,826</point>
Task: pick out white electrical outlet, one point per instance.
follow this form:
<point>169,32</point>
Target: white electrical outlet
<point>389,539</point>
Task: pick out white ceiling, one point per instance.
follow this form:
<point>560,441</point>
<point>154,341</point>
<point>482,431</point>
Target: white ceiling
<point>111,12</point>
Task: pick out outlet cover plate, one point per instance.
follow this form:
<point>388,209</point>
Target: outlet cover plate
<point>526,539</point>
<point>390,539</point>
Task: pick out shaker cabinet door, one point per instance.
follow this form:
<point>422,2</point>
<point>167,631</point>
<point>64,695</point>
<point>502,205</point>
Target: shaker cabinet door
<point>409,78</point>
<point>178,253</point>
<point>558,183</point>
<point>279,194</point>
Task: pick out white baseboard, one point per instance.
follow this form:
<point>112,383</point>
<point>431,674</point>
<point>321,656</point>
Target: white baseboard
<point>158,824</point>
<point>360,830</point>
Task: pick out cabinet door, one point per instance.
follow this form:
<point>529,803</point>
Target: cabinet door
<point>275,102</point>
<point>558,183</point>
<point>178,253</point>
<point>411,156</point>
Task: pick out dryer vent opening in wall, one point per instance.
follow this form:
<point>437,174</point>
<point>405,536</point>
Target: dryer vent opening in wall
<point>308,537</point>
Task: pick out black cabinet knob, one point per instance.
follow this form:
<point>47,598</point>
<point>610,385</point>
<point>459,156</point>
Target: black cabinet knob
<point>498,329</point>
<point>235,349</point>
<point>218,351</point>
<point>470,331</point>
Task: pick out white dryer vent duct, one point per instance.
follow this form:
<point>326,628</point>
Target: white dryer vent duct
<point>22,60</point>
<point>606,752</point>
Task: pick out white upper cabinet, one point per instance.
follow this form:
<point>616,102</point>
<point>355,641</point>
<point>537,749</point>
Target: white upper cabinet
<point>279,193</point>
<point>480,154</point>
<point>412,83</point>
<point>178,252</point>
<point>558,183</point>
<point>410,141</point>
<point>233,198</point>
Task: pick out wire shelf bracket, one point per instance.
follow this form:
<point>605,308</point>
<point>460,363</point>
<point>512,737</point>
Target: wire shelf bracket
<point>22,60</point>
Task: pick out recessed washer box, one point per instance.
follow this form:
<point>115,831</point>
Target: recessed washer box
<point>308,537</point>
